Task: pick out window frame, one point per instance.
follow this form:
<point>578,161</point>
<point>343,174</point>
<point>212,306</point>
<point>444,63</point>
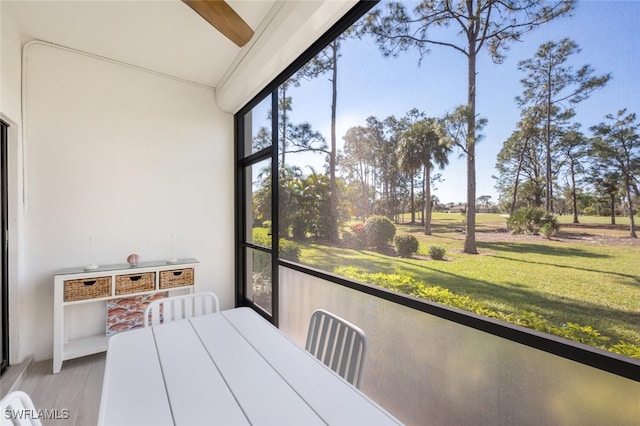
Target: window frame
<point>4,278</point>
<point>581,353</point>
<point>243,163</point>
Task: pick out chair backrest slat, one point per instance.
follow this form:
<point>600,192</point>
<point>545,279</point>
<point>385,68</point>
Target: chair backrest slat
<point>16,408</point>
<point>338,344</point>
<point>180,307</point>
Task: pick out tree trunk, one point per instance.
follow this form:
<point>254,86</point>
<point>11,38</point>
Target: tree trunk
<point>333,197</point>
<point>283,119</point>
<point>632,223</point>
<point>517,179</point>
<point>413,206</point>
<point>470,236</point>
<point>612,204</point>
<point>547,136</point>
<point>427,196</point>
<point>574,197</point>
<point>423,201</point>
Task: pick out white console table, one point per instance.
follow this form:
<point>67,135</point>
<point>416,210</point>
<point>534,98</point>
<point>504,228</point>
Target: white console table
<point>78,286</point>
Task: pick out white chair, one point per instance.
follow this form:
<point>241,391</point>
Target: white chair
<point>180,307</point>
<point>340,345</point>
<point>16,408</point>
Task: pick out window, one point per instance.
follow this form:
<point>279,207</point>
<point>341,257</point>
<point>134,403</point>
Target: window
<point>254,130</point>
<point>369,140</point>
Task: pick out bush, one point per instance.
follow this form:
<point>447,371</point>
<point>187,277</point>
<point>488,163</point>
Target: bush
<point>627,349</point>
<point>580,333</point>
<point>525,220</point>
<point>379,231</point>
<point>406,245</point>
<point>357,238</point>
<point>289,250</point>
<point>547,230</point>
<point>407,285</point>
<point>437,252</point>
<point>551,223</point>
<point>530,220</point>
<point>261,237</point>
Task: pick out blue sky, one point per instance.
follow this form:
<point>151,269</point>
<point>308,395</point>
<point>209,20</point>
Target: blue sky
<point>369,84</point>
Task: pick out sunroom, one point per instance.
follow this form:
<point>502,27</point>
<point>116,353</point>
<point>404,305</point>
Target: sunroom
<point>131,127</point>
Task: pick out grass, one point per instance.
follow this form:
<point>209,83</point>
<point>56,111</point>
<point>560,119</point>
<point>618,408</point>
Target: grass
<point>577,281</point>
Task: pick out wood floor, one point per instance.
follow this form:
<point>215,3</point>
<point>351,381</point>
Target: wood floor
<point>76,389</point>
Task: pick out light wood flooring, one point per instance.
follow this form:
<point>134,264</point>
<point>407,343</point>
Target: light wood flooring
<point>77,388</point>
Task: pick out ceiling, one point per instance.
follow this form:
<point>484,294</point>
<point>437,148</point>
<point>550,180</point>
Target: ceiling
<point>165,36</point>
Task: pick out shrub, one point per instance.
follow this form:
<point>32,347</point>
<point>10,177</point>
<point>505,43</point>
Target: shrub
<point>289,250</point>
<point>530,220</point>
<point>406,245</point>
<point>580,333</point>
<point>379,231</point>
<point>627,349</point>
<point>349,240</point>
<point>525,220</point>
<point>357,238</point>
<point>547,230</point>
<point>261,237</point>
<point>437,252</point>
<point>552,222</point>
<point>407,285</point>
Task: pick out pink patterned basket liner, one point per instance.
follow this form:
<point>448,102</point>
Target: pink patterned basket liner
<point>126,313</point>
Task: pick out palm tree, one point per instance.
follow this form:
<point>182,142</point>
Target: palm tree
<point>410,161</point>
<point>426,143</point>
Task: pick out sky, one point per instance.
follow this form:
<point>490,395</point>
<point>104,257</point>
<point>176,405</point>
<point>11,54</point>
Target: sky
<point>371,85</point>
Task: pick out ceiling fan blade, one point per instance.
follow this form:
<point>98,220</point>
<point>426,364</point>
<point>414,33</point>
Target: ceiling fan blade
<point>219,14</point>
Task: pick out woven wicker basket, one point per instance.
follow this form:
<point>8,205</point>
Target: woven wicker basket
<point>135,283</point>
<point>176,278</point>
<point>88,288</point>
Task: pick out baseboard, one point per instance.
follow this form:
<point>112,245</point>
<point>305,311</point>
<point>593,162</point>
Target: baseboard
<point>12,378</point>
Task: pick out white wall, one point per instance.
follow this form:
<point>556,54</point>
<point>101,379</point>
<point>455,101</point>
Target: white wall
<point>126,158</point>
<point>9,66</point>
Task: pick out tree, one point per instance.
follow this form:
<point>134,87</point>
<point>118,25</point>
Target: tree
<point>292,138</point>
<point>606,184</point>
<point>409,158</point>
<point>573,146</point>
<point>481,23</point>
<point>386,163</point>
<point>484,201</point>
<point>358,163</point>
<point>549,85</point>
<point>288,198</point>
<point>323,62</point>
<point>426,141</point>
<point>315,198</point>
<point>410,162</point>
<point>617,149</point>
<point>519,157</point>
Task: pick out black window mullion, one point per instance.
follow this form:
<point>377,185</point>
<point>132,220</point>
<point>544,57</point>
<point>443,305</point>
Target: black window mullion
<point>240,217</point>
<point>4,285</point>
<point>275,217</point>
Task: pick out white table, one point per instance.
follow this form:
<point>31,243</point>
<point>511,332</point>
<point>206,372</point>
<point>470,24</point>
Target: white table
<point>229,368</point>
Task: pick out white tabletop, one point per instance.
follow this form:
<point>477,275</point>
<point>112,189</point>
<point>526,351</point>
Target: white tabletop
<point>230,368</point>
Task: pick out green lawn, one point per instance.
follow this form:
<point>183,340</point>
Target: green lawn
<point>584,281</point>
